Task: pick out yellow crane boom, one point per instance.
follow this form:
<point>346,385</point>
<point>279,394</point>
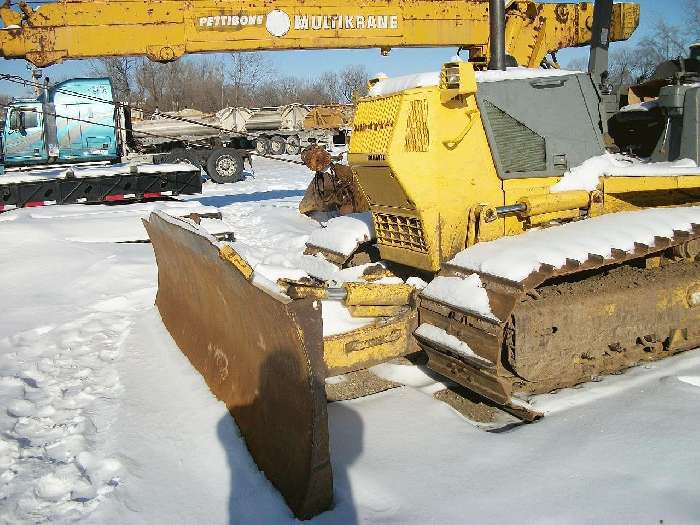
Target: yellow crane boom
<point>166,30</point>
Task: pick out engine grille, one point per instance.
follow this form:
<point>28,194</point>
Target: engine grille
<point>519,148</point>
<point>400,232</point>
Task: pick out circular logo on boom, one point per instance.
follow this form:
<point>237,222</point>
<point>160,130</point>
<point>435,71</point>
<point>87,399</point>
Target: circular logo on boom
<point>277,23</point>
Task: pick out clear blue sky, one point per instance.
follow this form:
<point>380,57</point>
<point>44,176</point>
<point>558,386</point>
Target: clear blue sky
<point>400,61</point>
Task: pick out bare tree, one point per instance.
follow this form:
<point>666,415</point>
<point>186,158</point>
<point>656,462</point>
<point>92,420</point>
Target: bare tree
<point>353,81</point>
<point>121,71</point>
<point>245,72</point>
<point>631,64</point>
<point>692,16</point>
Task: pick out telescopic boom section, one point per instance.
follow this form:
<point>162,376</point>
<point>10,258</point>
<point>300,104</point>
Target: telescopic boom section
<point>166,30</point>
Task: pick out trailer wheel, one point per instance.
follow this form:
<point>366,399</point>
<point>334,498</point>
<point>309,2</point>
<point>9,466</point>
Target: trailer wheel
<point>293,145</point>
<point>277,145</point>
<point>225,165</point>
<point>262,145</point>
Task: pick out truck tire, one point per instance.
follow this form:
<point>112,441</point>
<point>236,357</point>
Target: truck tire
<point>293,145</point>
<point>262,145</point>
<point>277,145</point>
<point>225,165</point>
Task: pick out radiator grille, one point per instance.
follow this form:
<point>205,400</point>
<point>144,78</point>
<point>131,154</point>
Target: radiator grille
<point>400,232</point>
<point>417,136</point>
<point>374,124</point>
<point>519,148</point>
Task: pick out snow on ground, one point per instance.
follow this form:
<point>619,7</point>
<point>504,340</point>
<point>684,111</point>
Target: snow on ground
<point>103,420</point>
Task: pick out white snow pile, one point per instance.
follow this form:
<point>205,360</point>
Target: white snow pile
<point>587,175</point>
<point>691,380</point>
<point>414,376</point>
<point>441,337</point>
<point>337,319</point>
<point>640,106</point>
<point>466,293</point>
<point>393,85</point>
<point>344,234</point>
<point>518,256</point>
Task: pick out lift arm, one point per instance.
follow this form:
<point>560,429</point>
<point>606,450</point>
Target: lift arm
<point>166,30</point>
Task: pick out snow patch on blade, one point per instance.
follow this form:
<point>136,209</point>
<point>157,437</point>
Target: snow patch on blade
<point>466,293</point>
<point>337,319</point>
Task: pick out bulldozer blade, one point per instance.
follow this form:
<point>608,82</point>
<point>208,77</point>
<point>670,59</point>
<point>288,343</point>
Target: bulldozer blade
<point>260,354</point>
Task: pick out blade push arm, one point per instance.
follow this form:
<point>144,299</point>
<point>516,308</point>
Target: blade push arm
<point>166,30</point>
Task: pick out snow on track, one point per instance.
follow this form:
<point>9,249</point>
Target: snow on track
<point>515,258</point>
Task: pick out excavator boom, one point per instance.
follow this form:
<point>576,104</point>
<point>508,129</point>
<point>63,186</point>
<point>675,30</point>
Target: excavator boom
<point>166,30</point>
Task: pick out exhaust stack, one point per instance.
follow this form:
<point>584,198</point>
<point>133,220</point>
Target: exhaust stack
<point>600,42</point>
<point>497,23</point>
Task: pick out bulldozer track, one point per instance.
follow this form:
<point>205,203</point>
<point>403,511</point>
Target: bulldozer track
<point>559,327</point>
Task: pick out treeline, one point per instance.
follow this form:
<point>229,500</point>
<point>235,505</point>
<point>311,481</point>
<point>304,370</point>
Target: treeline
<point>632,64</point>
<point>210,83</point>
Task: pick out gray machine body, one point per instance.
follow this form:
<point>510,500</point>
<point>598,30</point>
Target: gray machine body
<point>680,105</point>
<point>541,126</point>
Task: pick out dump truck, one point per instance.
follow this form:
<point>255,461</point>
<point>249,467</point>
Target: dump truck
<point>46,140</point>
<point>78,121</point>
<point>279,129</point>
<point>446,163</point>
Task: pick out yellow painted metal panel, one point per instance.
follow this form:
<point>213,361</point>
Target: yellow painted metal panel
<point>80,28</point>
<point>370,345</point>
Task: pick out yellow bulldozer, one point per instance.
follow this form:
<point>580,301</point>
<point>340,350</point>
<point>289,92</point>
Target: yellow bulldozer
<point>493,231</point>
<point>513,251</point>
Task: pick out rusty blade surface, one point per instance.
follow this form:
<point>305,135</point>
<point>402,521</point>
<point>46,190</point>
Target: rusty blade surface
<point>258,354</point>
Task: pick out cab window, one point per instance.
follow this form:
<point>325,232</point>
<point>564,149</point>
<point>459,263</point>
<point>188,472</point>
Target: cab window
<point>23,119</point>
